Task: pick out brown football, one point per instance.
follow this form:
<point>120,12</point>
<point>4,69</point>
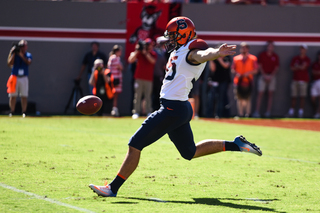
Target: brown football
<point>89,104</point>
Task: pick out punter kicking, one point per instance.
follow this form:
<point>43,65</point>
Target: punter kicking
<point>186,63</point>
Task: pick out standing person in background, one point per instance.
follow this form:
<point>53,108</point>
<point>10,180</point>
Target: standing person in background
<point>143,76</point>
<point>102,82</point>
<point>299,86</point>
<point>218,84</point>
<point>18,84</point>
<point>88,60</point>
<point>269,65</point>
<point>315,89</point>
<point>159,71</point>
<point>116,68</point>
<point>194,96</point>
<point>244,66</point>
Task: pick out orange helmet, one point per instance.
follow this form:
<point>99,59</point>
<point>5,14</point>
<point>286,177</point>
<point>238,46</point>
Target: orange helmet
<point>180,30</point>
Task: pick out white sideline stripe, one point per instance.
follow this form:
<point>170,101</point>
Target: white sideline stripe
<point>101,40</point>
<point>282,34</point>
<point>277,43</point>
<point>44,198</point>
<point>124,31</point>
<point>54,29</point>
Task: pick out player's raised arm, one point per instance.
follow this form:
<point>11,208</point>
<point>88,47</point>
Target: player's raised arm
<point>201,56</point>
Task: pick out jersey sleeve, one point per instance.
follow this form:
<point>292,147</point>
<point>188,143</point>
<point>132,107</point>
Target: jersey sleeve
<point>198,44</point>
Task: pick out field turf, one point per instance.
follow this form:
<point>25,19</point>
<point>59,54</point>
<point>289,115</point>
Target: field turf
<point>47,163</point>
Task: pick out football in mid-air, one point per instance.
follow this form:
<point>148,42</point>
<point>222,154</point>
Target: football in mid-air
<point>89,104</point>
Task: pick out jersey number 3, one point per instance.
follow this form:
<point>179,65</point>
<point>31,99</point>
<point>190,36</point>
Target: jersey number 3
<point>173,65</point>
<point>170,77</point>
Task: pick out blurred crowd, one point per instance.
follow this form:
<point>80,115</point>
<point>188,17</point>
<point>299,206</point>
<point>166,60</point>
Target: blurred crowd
<point>243,74</point>
<point>249,77</point>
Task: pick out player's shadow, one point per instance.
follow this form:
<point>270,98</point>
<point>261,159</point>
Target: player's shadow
<point>216,202</point>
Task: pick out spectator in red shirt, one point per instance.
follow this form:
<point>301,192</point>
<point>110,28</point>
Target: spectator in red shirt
<point>315,89</point>
<point>268,65</point>
<point>143,76</point>
<point>299,66</point>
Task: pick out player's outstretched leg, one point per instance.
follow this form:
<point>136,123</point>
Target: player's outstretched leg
<point>246,146</point>
<point>104,191</point>
<point>128,166</point>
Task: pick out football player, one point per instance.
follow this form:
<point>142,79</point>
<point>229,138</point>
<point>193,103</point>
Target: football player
<point>187,61</point>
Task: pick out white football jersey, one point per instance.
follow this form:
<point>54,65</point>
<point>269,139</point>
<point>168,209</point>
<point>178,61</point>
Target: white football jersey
<point>179,73</point>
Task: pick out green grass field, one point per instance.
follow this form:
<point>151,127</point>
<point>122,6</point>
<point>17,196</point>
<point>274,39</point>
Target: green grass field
<point>47,163</point>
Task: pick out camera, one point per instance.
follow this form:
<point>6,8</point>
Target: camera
<point>141,45</point>
<point>16,47</point>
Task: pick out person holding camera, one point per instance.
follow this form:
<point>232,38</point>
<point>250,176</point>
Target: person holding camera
<point>145,57</point>
<point>88,60</point>
<point>102,81</point>
<point>18,83</point>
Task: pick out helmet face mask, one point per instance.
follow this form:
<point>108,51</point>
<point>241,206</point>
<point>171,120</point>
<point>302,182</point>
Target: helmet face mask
<point>179,31</point>
<point>172,43</point>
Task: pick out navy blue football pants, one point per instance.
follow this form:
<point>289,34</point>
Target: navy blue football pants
<point>173,119</point>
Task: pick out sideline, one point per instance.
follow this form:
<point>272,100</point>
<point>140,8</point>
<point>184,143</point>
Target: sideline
<point>283,123</point>
<point>45,198</point>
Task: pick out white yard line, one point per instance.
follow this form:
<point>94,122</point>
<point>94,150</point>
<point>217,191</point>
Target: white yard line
<point>45,198</point>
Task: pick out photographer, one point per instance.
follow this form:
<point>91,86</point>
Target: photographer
<point>143,76</point>
<point>19,60</point>
<point>88,60</point>
<point>102,81</point>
